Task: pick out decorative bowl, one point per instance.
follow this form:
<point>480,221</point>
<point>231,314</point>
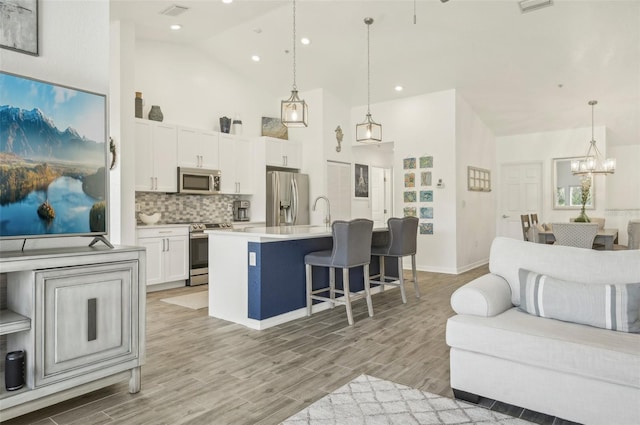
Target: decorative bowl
<point>150,219</point>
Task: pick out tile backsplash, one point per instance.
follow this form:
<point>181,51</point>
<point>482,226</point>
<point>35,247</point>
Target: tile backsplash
<point>186,208</point>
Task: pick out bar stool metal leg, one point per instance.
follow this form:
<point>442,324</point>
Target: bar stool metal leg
<point>347,294</point>
<point>415,275</point>
<point>332,286</point>
<point>401,279</point>
<point>309,301</point>
<point>367,290</point>
<point>382,258</point>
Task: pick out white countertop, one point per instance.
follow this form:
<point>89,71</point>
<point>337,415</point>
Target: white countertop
<point>159,226</point>
<point>285,232</point>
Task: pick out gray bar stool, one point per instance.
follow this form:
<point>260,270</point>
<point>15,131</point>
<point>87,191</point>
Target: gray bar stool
<point>402,242</point>
<point>351,248</point>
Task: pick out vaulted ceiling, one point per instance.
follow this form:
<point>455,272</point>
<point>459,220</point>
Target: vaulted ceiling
<point>520,72</point>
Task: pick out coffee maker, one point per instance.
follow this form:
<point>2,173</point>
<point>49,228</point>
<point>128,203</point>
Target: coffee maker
<point>241,210</point>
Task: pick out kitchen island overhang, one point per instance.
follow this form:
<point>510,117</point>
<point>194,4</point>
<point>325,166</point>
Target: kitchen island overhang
<point>257,276</point>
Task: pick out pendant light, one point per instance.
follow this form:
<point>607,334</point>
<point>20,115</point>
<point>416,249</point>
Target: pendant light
<point>593,162</point>
<point>293,111</point>
<point>368,131</point>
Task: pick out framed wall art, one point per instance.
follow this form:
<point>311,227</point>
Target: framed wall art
<point>361,180</point>
<point>273,127</point>
<point>19,26</point>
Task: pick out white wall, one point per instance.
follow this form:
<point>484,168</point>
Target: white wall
<point>476,211</point>
<point>623,189</point>
<point>617,195</point>
<point>544,147</point>
<point>122,54</point>
<point>74,51</point>
<point>194,90</point>
<point>424,125</point>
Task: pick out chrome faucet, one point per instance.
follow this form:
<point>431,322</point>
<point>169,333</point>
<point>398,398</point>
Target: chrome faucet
<point>327,217</point>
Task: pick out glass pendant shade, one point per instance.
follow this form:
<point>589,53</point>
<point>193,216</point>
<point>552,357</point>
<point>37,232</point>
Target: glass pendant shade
<point>593,162</point>
<point>369,131</point>
<point>294,112</point>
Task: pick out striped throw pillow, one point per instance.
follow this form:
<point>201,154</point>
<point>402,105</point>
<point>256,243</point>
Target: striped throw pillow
<point>615,307</point>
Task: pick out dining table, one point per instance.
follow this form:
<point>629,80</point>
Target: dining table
<point>606,237</point>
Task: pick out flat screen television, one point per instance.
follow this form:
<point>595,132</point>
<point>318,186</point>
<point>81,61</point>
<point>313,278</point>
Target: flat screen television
<point>53,160</point>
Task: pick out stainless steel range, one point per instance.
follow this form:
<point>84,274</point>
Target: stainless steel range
<point>199,251</point>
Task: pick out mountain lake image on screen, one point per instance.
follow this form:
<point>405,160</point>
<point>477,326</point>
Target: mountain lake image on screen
<point>53,160</point>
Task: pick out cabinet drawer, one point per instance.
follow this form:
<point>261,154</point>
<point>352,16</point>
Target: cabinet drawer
<point>87,319</point>
<point>162,232</point>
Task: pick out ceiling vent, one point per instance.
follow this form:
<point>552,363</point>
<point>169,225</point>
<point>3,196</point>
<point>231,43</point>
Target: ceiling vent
<point>174,10</point>
<point>531,5</point>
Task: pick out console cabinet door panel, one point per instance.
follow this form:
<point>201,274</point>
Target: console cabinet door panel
<point>84,319</point>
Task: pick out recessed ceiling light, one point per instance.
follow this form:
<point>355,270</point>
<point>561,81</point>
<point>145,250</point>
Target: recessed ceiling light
<point>255,58</point>
<point>398,88</point>
<point>176,27</point>
<point>227,1</point>
<point>305,40</point>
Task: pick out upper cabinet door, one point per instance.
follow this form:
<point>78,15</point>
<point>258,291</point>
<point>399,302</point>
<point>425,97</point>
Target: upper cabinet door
<point>282,153</point>
<point>197,148</point>
<point>244,168</point>
<point>226,154</point>
<point>155,153</point>
<point>164,157</point>
<point>143,149</point>
<point>236,165</point>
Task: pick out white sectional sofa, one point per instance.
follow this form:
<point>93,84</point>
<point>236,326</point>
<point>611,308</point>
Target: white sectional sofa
<point>573,371</point>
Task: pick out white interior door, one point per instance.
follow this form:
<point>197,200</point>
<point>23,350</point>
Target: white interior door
<point>520,193</point>
<point>377,194</point>
<point>381,196</point>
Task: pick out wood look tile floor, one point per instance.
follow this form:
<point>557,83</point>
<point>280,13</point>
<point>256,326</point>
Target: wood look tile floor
<point>201,370</point>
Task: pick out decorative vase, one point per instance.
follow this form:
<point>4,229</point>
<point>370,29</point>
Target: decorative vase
<point>155,114</point>
<point>138,104</point>
<point>225,124</point>
<point>236,127</point>
<point>582,217</point>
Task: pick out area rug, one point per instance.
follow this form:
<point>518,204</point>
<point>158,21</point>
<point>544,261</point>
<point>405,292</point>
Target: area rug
<point>193,301</point>
<point>371,401</point>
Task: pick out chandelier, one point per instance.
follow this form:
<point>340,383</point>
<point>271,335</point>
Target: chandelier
<point>293,111</point>
<point>593,162</point>
<point>368,131</point>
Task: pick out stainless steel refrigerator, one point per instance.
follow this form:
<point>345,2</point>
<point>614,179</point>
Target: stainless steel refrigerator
<point>287,198</point>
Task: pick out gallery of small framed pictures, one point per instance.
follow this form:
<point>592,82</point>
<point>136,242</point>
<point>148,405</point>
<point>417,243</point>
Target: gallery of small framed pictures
<point>418,191</point>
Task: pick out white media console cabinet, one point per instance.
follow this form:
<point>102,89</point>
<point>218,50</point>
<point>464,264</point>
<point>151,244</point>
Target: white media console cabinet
<point>79,316</point>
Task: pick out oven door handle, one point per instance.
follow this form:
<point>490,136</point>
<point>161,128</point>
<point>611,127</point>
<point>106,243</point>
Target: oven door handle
<point>199,236</point>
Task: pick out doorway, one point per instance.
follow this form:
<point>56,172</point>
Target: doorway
<point>381,194</point>
<point>520,193</point>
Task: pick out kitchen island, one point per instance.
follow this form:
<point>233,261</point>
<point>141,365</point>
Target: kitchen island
<point>257,275</point>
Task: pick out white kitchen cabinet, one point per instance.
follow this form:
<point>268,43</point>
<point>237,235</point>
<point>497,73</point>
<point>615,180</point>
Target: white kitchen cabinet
<point>283,153</point>
<point>83,322</point>
<point>167,253</point>
<point>235,165</point>
<point>156,156</point>
<point>197,148</point>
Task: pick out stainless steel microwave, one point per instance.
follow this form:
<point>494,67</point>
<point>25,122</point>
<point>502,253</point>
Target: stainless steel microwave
<point>198,180</point>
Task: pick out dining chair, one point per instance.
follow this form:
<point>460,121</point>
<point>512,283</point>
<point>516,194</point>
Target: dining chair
<point>579,235</point>
<point>526,225</point>
<point>351,248</point>
<point>401,243</point>
<point>534,219</point>
<point>633,230</point>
